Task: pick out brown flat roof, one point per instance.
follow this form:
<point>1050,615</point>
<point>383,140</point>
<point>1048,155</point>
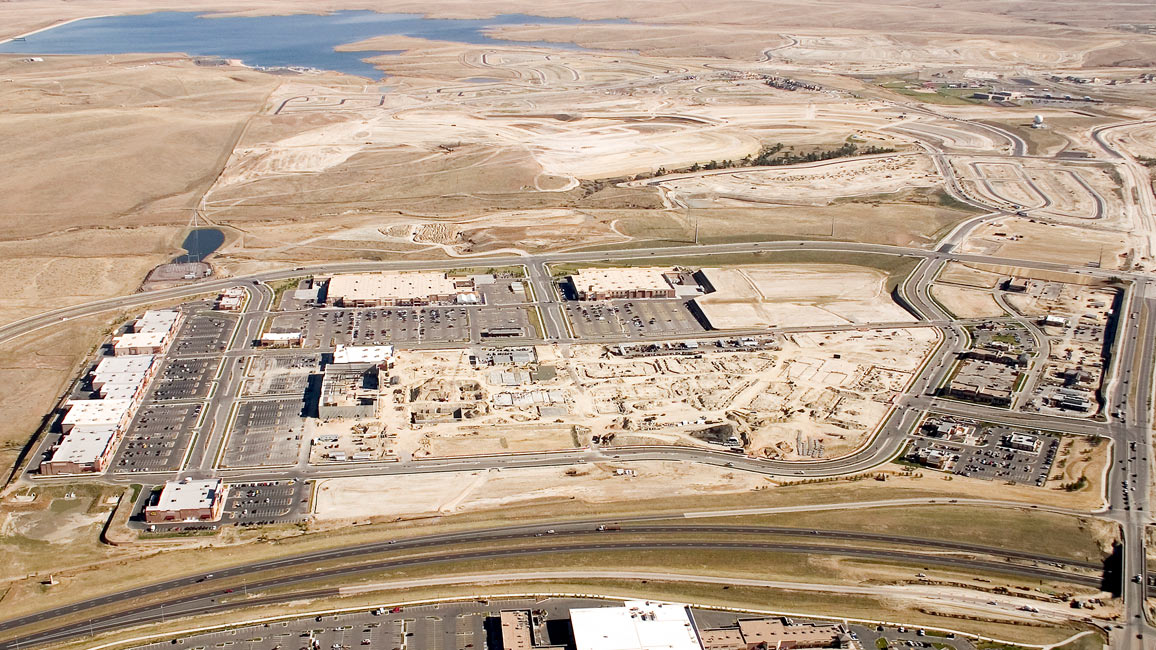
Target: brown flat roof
<point>516,629</point>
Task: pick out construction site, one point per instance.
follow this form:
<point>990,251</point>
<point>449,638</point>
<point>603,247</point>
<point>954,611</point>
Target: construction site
<point>796,396</point>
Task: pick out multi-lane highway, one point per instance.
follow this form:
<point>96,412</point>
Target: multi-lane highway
<point>201,593</point>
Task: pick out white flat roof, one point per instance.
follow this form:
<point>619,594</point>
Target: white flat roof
<point>621,279</point>
<point>280,336</point>
<point>188,495</point>
<point>393,285</point>
<point>141,339</point>
<point>119,390</point>
<point>109,366</point>
<point>94,413</point>
<point>83,446</point>
<point>362,353</point>
<point>630,627</point>
<point>156,320</point>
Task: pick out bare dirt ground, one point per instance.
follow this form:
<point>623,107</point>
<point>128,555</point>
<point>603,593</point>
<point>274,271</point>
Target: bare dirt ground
<point>963,274</point>
<point>966,303</point>
<point>344,499</point>
<point>782,296</point>
<point>1035,240</point>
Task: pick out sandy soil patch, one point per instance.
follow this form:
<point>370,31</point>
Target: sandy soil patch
<point>966,303</point>
<point>786,296</point>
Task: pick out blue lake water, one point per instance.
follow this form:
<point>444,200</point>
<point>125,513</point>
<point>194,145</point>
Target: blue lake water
<point>199,244</point>
<point>267,41</point>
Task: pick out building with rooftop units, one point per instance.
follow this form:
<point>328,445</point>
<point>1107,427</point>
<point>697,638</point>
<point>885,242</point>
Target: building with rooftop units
<point>398,288</point>
<point>188,500</point>
<point>637,625</point>
<point>773,633</point>
<point>620,283</point>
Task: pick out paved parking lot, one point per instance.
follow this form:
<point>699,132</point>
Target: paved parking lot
<point>504,291</point>
<point>631,318</point>
<point>279,375</point>
<point>203,333</point>
<point>189,378</point>
<point>266,502</point>
<point>408,326</point>
<point>450,626</point>
<point>157,439</point>
<point>493,322</point>
<point>473,624</point>
<point>265,433</point>
<point>988,455</point>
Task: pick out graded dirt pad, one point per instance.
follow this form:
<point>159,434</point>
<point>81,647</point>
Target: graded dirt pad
<point>815,183</point>
<point>508,438</point>
<point>355,498</point>
<point>1033,240</point>
<point>458,491</point>
<point>966,303</point>
<point>1140,140</point>
<point>788,296</point>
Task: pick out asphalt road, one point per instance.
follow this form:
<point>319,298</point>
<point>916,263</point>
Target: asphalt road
<point>226,583</point>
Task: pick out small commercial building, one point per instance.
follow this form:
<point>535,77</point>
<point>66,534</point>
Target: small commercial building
<point>772,633</point>
<point>188,500</point>
<point>1022,442</point>
<point>517,631</point>
<point>97,414</point>
<point>398,288</point>
<point>231,299</point>
<point>124,377</point>
<point>280,340</point>
<point>637,625</point>
<point>620,283</point>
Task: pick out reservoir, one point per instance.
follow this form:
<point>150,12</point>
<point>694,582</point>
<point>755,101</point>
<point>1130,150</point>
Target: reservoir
<point>199,244</point>
<point>306,41</point>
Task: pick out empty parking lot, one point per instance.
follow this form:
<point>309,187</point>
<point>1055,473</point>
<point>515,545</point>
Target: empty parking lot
<point>265,433</point>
